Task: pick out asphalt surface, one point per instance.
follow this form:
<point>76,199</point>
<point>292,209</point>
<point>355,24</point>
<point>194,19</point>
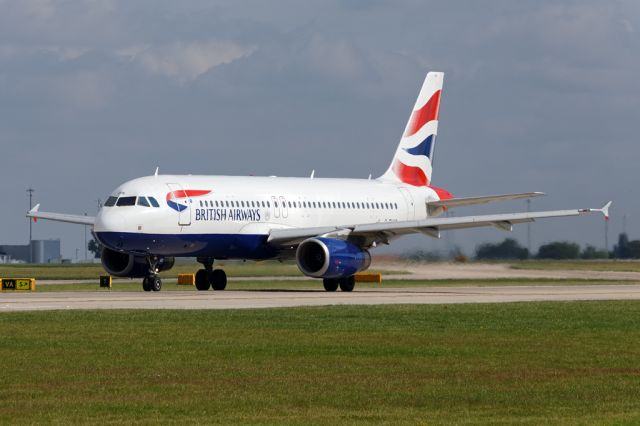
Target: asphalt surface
<point>241,299</point>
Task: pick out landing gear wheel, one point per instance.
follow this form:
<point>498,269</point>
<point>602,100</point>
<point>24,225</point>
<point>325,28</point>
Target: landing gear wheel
<point>146,284</point>
<point>156,283</point>
<point>347,283</point>
<point>218,279</point>
<point>330,284</point>
<point>202,279</point>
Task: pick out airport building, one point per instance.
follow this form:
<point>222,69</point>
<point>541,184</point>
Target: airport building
<point>40,251</point>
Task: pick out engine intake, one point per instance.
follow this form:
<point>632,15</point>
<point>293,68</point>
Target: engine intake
<point>331,258</point>
<point>127,265</point>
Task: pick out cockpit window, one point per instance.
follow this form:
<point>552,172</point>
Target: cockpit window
<point>126,201</point>
<point>142,201</point>
<point>153,202</point>
<point>111,201</point>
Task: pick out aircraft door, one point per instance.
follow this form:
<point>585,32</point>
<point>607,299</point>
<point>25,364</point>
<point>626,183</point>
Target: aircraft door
<point>179,202</point>
<point>285,208</point>
<point>276,207</point>
<point>409,204</point>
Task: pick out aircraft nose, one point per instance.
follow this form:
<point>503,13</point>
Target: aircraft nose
<point>108,221</point>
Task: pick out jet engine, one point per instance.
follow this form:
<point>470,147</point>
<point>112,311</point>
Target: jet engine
<point>128,265</point>
<point>331,258</point>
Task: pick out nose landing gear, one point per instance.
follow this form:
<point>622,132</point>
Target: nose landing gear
<point>209,277</point>
<point>152,281</point>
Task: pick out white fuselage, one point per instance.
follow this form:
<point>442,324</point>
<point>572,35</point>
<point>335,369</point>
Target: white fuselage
<point>211,215</point>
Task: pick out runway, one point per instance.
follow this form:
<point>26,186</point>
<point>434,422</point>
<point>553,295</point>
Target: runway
<point>245,299</point>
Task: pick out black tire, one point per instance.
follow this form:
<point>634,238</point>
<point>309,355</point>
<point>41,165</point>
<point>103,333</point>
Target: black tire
<point>202,280</point>
<point>156,283</point>
<point>218,279</point>
<point>347,283</point>
<point>330,284</point>
<point>146,284</point>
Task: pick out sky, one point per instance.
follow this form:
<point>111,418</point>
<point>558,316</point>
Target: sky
<point>538,96</point>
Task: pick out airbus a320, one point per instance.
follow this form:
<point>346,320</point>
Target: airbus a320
<point>328,226</point>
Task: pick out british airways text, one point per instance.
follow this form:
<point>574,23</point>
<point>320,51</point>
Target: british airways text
<point>252,215</point>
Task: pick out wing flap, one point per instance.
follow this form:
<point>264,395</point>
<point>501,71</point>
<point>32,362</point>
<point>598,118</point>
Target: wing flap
<point>61,217</point>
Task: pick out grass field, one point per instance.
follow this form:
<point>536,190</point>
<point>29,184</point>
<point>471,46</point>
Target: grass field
<point>93,271</point>
<point>579,265</point>
<point>135,285</point>
<point>528,363</point>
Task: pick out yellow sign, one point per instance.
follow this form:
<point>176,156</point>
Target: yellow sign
<point>105,281</point>
<point>186,279</point>
<point>369,277</point>
<point>28,284</point>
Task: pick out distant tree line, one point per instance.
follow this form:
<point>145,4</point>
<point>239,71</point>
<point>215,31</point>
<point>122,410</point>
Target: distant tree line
<point>511,249</point>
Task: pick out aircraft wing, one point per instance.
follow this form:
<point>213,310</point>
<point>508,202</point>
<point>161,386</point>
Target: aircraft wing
<point>382,232</point>
<point>61,217</point>
<point>469,201</point>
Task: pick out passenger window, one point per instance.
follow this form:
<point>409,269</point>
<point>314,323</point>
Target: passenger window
<point>153,202</point>
<point>126,201</point>
<point>111,201</point>
<point>289,203</point>
<point>142,201</point>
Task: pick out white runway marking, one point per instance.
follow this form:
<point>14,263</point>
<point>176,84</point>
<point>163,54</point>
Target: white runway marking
<point>239,299</point>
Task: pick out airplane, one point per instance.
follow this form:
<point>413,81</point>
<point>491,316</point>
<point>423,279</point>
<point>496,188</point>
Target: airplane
<point>327,225</point>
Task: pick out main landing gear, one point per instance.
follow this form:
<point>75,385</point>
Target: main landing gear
<point>152,281</point>
<point>345,283</point>
<point>209,277</point>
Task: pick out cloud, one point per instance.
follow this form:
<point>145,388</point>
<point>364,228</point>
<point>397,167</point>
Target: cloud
<point>184,61</point>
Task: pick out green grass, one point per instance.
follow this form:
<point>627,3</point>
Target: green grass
<point>579,265</point>
<point>135,285</point>
<point>527,363</point>
<point>93,271</point>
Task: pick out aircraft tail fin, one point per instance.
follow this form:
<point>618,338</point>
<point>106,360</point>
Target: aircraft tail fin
<point>413,161</point>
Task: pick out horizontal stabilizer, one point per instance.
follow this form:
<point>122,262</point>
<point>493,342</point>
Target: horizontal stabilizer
<point>470,201</point>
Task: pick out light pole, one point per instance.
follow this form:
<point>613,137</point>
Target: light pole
<point>529,227</point>
<point>30,191</point>
<point>85,241</point>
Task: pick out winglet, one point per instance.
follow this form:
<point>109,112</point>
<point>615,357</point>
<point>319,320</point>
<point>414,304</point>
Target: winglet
<point>35,209</point>
<point>605,210</point>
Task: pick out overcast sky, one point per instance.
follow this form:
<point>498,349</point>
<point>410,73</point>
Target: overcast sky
<point>538,96</point>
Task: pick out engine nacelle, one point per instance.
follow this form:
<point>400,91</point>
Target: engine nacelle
<point>331,258</point>
<point>127,265</point>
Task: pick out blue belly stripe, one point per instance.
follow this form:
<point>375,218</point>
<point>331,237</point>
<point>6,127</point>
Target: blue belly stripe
<point>219,246</point>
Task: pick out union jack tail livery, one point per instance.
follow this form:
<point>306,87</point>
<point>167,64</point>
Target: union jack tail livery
<point>413,161</point>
